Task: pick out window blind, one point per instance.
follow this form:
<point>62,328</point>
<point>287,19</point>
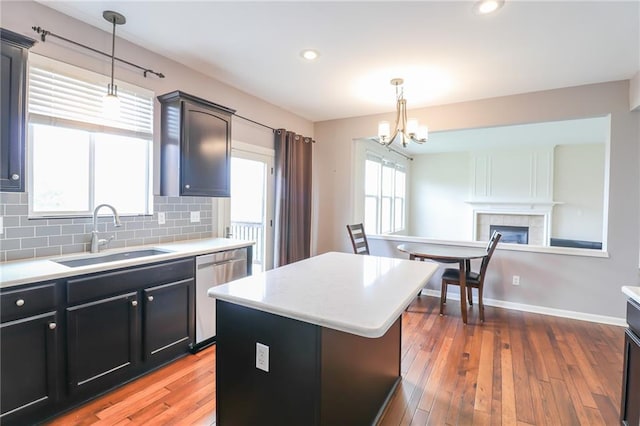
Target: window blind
<point>71,96</point>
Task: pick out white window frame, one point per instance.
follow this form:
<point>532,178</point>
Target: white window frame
<point>361,148</point>
<point>143,131</point>
<point>386,162</point>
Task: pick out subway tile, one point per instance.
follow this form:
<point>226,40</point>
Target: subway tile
<point>165,208</point>
<point>166,239</point>
<point>143,233</point>
<point>48,251</point>
<point>3,256</point>
<point>158,199</point>
<point>72,229</point>
<point>72,248</point>
<point>134,242</point>
<point>117,244</point>
<point>10,198</point>
<point>60,221</point>
<point>22,232</point>
<point>151,224</point>
<point>158,232</point>
<point>132,226</point>
<point>20,254</point>
<point>9,221</point>
<point>47,230</point>
<point>12,244</point>
<point>27,243</point>
<point>60,240</point>
<point>125,235</point>
<point>81,238</point>
<point>16,210</point>
<point>24,198</point>
<point>187,229</point>
<point>174,200</point>
<point>152,240</point>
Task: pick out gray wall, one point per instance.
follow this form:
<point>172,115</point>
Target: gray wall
<point>583,284</point>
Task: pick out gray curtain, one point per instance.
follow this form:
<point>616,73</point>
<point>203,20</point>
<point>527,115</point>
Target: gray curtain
<point>293,197</point>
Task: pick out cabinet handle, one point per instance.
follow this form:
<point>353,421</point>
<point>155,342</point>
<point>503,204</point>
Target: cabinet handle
<point>150,298</point>
<point>20,302</point>
<point>134,303</point>
<point>187,186</point>
<point>52,326</point>
<point>15,176</point>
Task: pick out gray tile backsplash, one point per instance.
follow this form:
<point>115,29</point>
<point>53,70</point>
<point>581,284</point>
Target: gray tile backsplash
<point>25,238</point>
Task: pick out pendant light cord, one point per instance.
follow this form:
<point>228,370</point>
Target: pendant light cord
<point>113,54</point>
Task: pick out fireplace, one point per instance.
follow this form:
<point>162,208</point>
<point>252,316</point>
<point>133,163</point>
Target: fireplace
<point>512,234</point>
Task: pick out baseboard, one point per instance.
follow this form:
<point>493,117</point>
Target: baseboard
<point>602,319</point>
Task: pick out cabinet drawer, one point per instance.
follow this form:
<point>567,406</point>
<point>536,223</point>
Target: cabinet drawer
<point>633,316</point>
<point>24,302</point>
<point>112,283</point>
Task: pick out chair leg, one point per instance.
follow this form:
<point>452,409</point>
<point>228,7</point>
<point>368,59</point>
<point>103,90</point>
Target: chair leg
<point>443,297</point>
<point>480,304</point>
<point>469,298</point>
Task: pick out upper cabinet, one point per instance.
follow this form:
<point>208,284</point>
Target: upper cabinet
<point>195,146</point>
<point>12,93</point>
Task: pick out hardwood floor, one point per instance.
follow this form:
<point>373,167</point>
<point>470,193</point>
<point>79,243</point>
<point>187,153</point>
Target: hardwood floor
<point>516,369</point>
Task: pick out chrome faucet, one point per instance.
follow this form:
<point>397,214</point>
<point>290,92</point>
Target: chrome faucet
<point>96,242</point>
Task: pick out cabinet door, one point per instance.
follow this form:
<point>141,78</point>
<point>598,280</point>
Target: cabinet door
<point>28,353</point>
<point>12,127</point>
<point>206,152</point>
<point>630,410</point>
<point>169,320</point>
<point>102,342</point>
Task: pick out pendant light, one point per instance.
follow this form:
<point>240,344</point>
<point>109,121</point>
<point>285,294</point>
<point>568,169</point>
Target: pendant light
<point>404,129</point>
<point>111,103</point>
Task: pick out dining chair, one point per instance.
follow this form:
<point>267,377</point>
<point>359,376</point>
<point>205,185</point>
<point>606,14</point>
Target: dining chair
<point>358,238</point>
<point>451,276</point>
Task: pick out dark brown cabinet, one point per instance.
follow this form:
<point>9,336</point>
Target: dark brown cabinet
<point>102,343</point>
<point>29,351</point>
<point>630,408</point>
<point>12,98</point>
<point>195,146</point>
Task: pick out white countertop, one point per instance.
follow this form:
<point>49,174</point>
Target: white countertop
<point>357,294</point>
<point>45,269</point>
<point>632,291</point>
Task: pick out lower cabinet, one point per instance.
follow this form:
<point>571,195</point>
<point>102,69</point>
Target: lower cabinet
<point>630,410</point>
<point>102,342</point>
<point>63,343</point>
<point>29,373</point>
<point>169,320</point>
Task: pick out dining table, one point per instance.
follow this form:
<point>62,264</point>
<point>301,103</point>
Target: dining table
<point>447,254</point>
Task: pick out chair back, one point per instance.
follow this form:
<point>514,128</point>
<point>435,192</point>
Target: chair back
<point>491,247</point>
<point>358,239</point>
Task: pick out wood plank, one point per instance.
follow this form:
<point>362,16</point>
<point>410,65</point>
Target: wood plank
<point>452,374</point>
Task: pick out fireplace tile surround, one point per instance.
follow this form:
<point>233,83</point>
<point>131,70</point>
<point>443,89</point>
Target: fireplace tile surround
<point>535,222</point>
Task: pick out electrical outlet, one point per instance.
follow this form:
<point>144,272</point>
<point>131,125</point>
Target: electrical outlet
<point>262,357</point>
<point>195,217</point>
<point>1,225</point>
<point>516,280</point>
<point>161,218</point>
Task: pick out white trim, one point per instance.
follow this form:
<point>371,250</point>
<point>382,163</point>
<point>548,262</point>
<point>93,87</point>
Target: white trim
<point>254,149</point>
<point>582,316</point>
<point>568,251</point>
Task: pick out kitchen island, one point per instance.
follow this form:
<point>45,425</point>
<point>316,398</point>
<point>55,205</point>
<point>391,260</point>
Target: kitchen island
<point>316,342</point>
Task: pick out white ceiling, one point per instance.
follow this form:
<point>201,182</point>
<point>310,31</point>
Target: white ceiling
<point>444,52</point>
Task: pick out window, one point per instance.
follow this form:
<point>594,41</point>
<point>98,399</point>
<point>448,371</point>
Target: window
<point>79,158</point>
<point>384,198</point>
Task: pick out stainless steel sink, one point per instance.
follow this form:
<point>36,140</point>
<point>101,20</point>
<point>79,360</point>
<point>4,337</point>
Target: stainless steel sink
<point>112,257</point>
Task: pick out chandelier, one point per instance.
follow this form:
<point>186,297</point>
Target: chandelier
<point>405,130</point>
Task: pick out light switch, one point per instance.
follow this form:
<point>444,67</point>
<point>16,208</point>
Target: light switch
<point>1,225</point>
<point>161,218</point>
<point>195,217</point>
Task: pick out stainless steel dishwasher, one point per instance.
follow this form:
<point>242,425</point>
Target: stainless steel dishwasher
<point>212,270</point>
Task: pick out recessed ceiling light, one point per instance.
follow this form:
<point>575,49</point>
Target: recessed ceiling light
<point>484,7</point>
<point>309,54</point>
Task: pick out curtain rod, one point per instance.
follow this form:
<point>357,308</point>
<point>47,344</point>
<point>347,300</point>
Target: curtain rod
<point>44,33</point>
<point>255,122</point>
